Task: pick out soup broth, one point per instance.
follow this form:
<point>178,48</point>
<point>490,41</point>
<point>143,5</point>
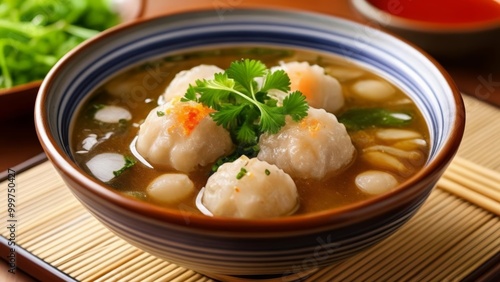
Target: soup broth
<point>138,90</point>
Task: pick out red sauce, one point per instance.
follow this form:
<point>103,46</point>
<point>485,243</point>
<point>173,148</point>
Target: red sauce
<point>442,11</point>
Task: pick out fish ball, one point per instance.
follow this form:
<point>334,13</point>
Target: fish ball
<point>375,182</point>
<point>373,90</point>
<point>321,90</point>
<point>170,188</point>
<point>182,136</point>
<point>313,148</point>
<point>250,188</point>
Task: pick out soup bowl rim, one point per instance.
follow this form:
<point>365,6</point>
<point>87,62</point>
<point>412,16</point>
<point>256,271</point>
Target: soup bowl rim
<point>327,219</point>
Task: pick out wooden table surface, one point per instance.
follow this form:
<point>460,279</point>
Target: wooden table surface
<point>477,75</point>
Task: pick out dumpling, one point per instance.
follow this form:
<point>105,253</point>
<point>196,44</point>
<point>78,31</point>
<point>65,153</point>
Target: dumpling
<point>181,81</point>
<point>313,148</point>
<point>182,136</point>
<point>250,188</point>
<point>170,188</point>
<point>321,90</point>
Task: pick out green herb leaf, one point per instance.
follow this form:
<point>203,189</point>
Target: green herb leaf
<point>295,105</point>
<point>276,80</point>
<point>357,119</point>
<point>245,71</point>
<point>272,119</point>
<point>129,162</point>
<point>228,115</point>
<point>247,134</point>
<point>190,94</point>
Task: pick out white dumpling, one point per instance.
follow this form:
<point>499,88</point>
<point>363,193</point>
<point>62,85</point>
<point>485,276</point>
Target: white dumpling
<point>182,136</point>
<point>250,188</point>
<point>170,188</point>
<point>313,148</point>
<point>321,90</point>
<point>375,182</point>
<point>373,90</point>
<point>181,81</point>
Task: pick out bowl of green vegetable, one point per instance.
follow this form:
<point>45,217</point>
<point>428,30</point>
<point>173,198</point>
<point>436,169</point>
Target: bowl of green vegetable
<point>34,35</point>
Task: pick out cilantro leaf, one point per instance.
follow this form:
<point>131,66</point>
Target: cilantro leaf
<point>272,119</point>
<point>228,115</point>
<point>245,71</point>
<point>295,105</point>
<point>214,91</point>
<point>276,80</point>
<point>190,94</point>
<point>247,134</point>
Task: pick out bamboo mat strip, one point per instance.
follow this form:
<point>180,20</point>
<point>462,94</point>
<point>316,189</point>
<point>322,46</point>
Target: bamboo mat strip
<point>482,134</point>
<point>446,240</point>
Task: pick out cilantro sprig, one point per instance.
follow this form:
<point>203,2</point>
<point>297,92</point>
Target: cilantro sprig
<point>240,97</point>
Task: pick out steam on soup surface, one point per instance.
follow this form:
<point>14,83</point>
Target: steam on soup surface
<point>361,135</point>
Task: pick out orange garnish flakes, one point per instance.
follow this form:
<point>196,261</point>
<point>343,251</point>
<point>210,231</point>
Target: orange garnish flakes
<point>190,115</point>
<point>311,124</point>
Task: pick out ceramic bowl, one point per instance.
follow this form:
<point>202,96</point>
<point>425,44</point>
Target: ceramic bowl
<point>227,246</point>
<point>20,99</point>
<point>444,40</point>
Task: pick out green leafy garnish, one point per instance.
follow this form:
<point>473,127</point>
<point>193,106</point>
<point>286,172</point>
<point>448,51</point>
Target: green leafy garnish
<point>35,34</point>
<point>357,119</point>
<point>243,105</point>
<point>160,113</point>
<point>129,162</point>
<point>267,171</point>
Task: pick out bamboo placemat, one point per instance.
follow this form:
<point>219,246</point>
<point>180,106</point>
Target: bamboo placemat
<point>456,231</point>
